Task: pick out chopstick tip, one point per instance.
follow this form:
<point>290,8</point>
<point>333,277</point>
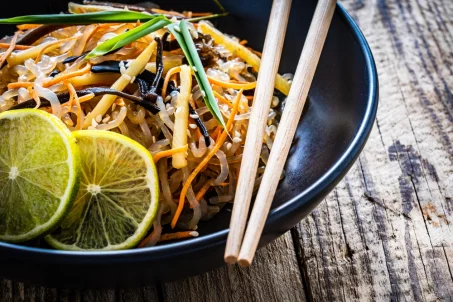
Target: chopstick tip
<point>244,262</point>
<point>230,259</point>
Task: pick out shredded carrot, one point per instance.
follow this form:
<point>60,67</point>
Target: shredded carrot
<point>205,160</point>
<point>27,26</point>
<point>19,85</point>
<point>16,47</point>
<point>249,97</point>
<point>71,96</point>
<point>33,94</point>
<point>223,99</point>
<point>243,42</point>
<point>178,235</point>
<point>258,53</point>
<point>167,153</point>
<point>67,76</point>
<point>245,86</point>
<point>195,14</point>
<point>10,49</point>
<point>86,98</point>
<point>51,45</point>
<point>216,132</point>
<point>79,108</point>
<point>166,12</point>
<point>204,189</point>
<point>171,72</point>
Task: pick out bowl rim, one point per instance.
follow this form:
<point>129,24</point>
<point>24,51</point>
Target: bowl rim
<point>332,176</point>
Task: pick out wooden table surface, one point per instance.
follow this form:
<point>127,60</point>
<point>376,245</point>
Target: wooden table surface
<point>384,232</point>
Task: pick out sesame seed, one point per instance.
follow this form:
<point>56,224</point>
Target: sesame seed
<point>194,116</point>
<point>194,234</point>
<point>193,126</point>
<point>237,140</point>
<point>203,93</point>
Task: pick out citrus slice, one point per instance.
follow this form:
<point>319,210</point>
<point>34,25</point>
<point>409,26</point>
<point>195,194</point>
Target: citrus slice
<point>118,195</point>
<point>39,173</point>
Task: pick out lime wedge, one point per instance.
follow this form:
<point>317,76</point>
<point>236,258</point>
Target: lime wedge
<point>118,196</point>
<point>39,173</point>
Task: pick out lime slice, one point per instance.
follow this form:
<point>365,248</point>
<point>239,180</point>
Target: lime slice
<point>118,196</point>
<point>39,173</point>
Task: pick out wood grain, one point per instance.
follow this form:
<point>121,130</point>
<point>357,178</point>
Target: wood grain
<point>386,228</point>
<point>384,233</point>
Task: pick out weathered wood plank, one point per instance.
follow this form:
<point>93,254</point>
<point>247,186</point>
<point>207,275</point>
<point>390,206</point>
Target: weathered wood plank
<point>274,276</point>
<point>386,228</point>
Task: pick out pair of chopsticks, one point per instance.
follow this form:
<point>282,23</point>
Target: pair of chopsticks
<point>242,248</point>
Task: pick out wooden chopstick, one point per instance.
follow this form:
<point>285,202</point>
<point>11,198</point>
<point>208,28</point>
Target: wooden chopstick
<point>270,61</point>
<point>288,124</point>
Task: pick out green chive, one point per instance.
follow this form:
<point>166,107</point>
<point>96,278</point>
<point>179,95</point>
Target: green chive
<point>80,19</point>
<point>188,47</point>
<point>129,37</point>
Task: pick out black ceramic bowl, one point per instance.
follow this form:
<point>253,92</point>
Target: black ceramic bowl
<point>333,130</point>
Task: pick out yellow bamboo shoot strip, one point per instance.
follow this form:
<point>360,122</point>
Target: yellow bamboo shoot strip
<point>135,67</point>
<point>182,117</point>
<point>242,52</point>
<point>21,56</point>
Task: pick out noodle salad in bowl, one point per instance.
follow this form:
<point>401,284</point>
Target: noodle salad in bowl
<point>156,102</point>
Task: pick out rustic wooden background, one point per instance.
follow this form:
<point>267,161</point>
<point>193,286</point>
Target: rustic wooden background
<point>384,233</point>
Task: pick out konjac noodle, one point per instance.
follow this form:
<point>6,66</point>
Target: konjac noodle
<point>148,90</point>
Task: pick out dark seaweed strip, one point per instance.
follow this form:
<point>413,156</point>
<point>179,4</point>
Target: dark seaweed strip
<point>159,65</point>
<point>74,58</point>
<point>64,97</point>
<point>201,126</point>
<point>146,75</point>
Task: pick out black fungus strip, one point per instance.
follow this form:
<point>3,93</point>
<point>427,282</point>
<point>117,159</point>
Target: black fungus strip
<point>159,65</point>
<point>143,86</point>
<point>54,73</point>
<point>64,97</point>
<point>201,126</point>
<point>146,75</point>
<point>74,58</point>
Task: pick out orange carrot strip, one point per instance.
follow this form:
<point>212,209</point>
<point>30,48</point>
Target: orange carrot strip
<point>19,85</point>
<point>178,235</point>
<point>86,98</point>
<point>171,72</point>
<point>71,96</point>
<point>222,98</point>
<point>10,49</point>
<point>27,26</point>
<point>167,153</point>
<point>205,160</point>
<point>243,42</point>
<point>70,75</point>
<point>166,12</point>
<point>16,47</point>
<point>204,189</point>
<point>245,86</point>
<point>79,108</point>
